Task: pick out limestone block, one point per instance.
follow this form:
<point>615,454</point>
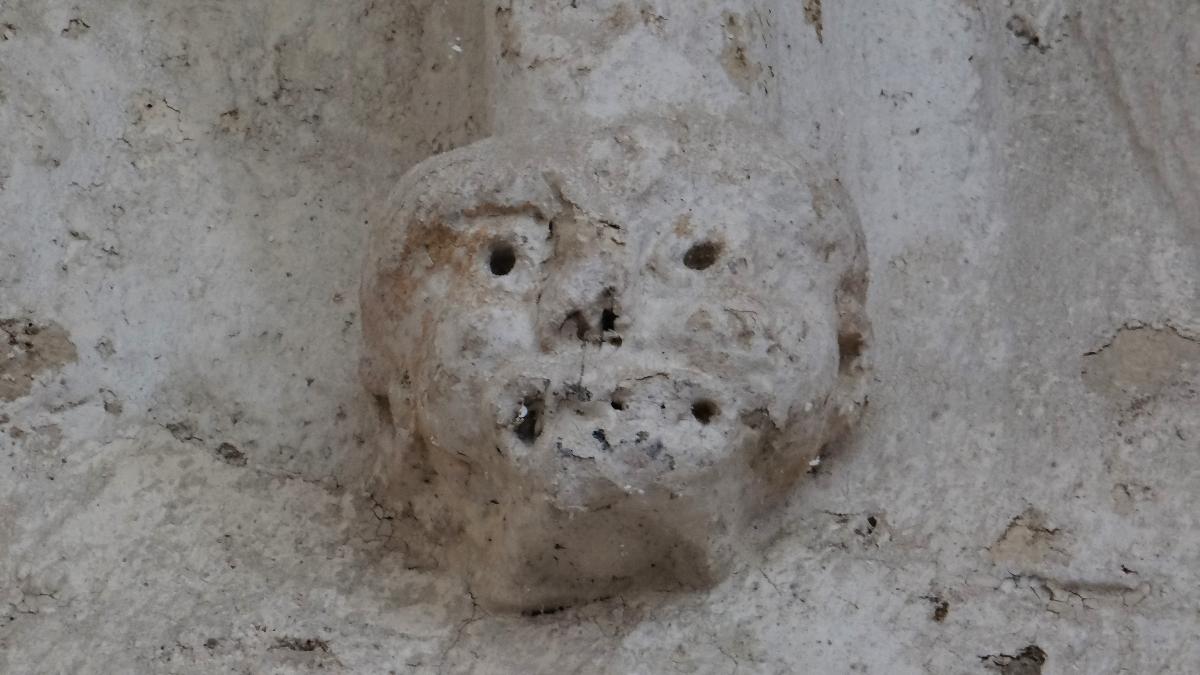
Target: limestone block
<point>604,353</point>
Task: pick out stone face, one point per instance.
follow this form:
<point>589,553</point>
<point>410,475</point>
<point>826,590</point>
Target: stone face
<point>1023,488</point>
<point>604,353</point>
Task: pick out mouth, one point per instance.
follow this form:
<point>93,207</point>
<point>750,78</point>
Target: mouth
<point>635,426</point>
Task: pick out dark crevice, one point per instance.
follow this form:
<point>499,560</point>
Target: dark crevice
<point>850,348</point>
<point>529,426</point>
<point>582,327</point>
<point>383,407</point>
<point>1028,662</point>
<point>608,320</point>
<point>503,259</point>
<point>543,611</point>
<point>1020,27</point>
<point>301,644</point>
<point>705,410</point>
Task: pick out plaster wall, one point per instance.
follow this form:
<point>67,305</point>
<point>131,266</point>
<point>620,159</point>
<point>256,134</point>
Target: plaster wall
<point>184,196</point>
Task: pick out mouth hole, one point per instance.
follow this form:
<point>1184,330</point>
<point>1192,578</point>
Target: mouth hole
<point>704,410</point>
<point>702,255</point>
<point>529,425</point>
<point>502,259</point>
<point>608,320</point>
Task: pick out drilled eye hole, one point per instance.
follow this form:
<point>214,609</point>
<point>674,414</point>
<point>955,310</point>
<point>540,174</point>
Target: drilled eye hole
<point>702,255</point>
<point>705,410</point>
<point>502,259</point>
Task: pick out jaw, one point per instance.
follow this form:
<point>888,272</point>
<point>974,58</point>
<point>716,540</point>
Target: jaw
<point>600,499</point>
<point>564,536</point>
<point>578,474</point>
<point>549,558</point>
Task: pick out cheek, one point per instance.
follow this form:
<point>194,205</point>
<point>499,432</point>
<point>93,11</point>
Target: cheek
<point>786,349</point>
<point>464,358</point>
<point>490,334</point>
<point>807,353</point>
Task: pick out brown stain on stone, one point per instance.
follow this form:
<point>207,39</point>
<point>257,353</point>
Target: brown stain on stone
<point>30,349</point>
<point>1027,541</point>
<point>45,439</point>
<point>735,58</point>
<point>622,20</point>
<point>1126,496</point>
<point>1141,361</point>
<point>434,247</point>
<point>510,41</point>
<point>683,226</point>
<point>444,246</point>
<point>812,14</point>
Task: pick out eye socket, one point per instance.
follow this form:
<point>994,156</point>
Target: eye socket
<point>502,259</point>
<point>702,255</point>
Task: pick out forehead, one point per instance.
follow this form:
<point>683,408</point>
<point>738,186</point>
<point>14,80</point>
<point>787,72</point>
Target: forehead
<point>637,179</point>
<point>656,189</point>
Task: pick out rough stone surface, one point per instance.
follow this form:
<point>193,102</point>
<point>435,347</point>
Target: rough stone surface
<point>31,350</point>
<point>1024,172</point>
<point>605,352</point>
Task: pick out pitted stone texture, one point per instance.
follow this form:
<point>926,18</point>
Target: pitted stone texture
<point>605,353</point>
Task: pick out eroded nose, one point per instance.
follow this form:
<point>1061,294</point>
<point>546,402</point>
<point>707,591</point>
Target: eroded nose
<point>568,319</point>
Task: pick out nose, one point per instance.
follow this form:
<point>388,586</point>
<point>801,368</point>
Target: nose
<point>567,321</point>
<point>581,304</point>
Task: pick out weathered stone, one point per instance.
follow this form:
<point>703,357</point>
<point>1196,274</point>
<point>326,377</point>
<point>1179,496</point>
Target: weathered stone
<point>30,349</point>
<point>606,352</point>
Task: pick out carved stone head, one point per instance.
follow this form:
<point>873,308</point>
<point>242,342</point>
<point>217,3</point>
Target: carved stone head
<point>604,353</point>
